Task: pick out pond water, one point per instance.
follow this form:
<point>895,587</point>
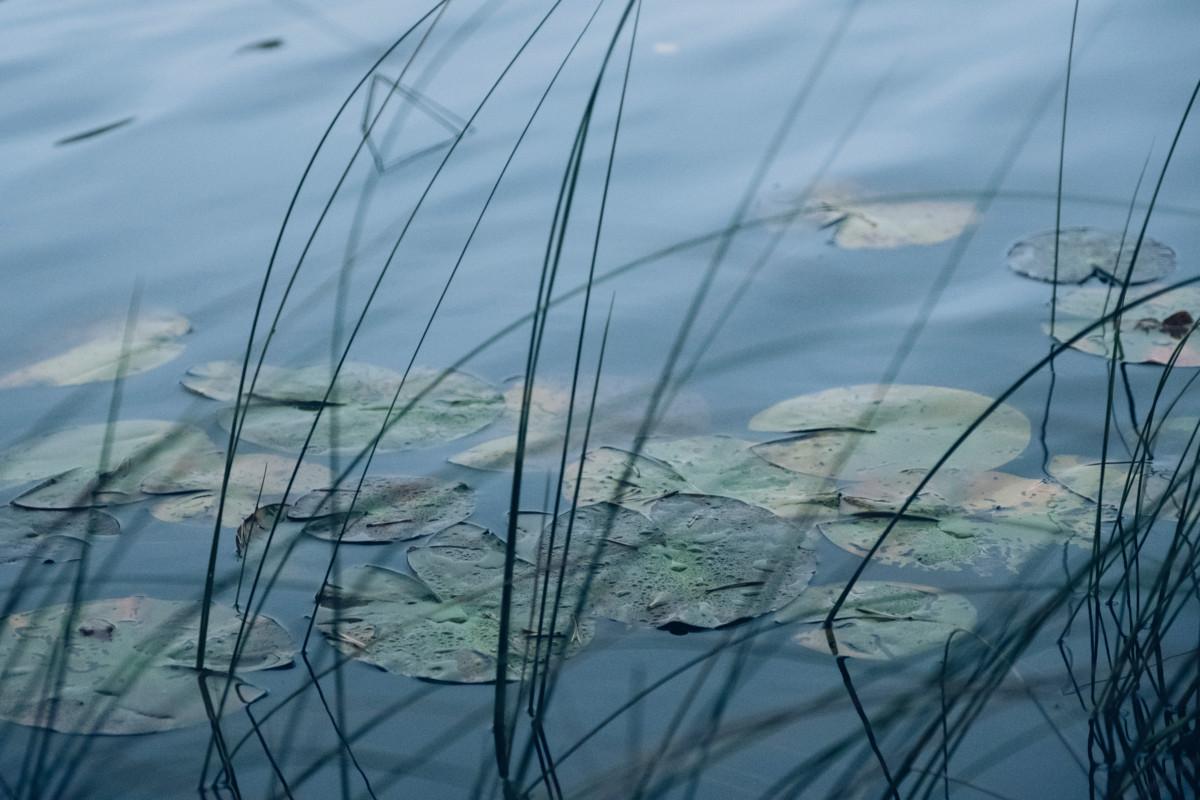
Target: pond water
<point>215,110</point>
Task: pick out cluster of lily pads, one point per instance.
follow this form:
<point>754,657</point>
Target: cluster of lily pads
<point>700,531</point>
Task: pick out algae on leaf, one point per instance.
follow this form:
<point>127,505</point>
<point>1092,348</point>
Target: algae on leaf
<point>388,509</point>
<point>873,431</point>
<point>129,664</point>
<point>880,620</point>
<point>1084,252</point>
<point>110,350</point>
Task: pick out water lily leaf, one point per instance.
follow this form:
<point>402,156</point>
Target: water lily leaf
<point>154,340</point>
<point>364,384</point>
<point>697,560</point>
<point>50,536</point>
<point>873,431</point>
<point>458,406</point>
<point>720,465</point>
<point>129,664</point>
<point>1083,252</point>
<point>988,495</point>
<point>160,453</point>
<point>612,475</point>
<point>877,225</point>
<point>388,509</point>
<point>255,527</point>
<point>880,620</point>
<point>1082,476</point>
<point>618,416</point>
<point>1148,334</point>
<point>401,624</point>
<point>255,479</point>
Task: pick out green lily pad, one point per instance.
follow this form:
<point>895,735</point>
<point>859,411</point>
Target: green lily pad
<point>872,431</point>
<point>720,465</point>
<point>170,448</point>
<point>129,665</point>
<point>880,620</point>
<point>1084,252</point>
<point>620,407</point>
<point>879,225</point>
<point>1148,334</point>
<point>1082,476</point>
<point>362,384</point>
<point>50,536</point>
<point>388,509</point>
<point>612,475</point>
<point>444,624</point>
<point>460,405</point>
<point>256,479</point>
<point>697,560</point>
<point>109,351</point>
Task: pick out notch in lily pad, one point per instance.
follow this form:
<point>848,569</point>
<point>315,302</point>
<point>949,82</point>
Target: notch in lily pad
<point>387,509</point>
<point>878,224</point>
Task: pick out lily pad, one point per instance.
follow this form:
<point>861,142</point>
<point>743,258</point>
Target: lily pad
<point>388,509</point>
<point>169,449</point>
<point>364,384</point>
<point>50,536</point>
<point>109,351</point>
<point>612,475</point>
<point>256,479</point>
<point>880,620</point>
<point>444,624</point>
<point>620,408</point>
<point>873,431</point>
<point>880,225</point>
<point>1149,333</point>
<point>1082,476</point>
<point>697,560</point>
<point>1084,252</point>
<point>458,406</point>
<point>129,664</point>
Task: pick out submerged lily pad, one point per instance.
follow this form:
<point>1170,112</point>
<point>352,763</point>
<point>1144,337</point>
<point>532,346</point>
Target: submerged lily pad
<point>872,431</point>
<point>129,664</point>
<point>109,352</point>
<point>255,479</point>
<point>444,624</point>
<point>1148,334</point>
<point>50,536</point>
<point>696,560</point>
<point>880,620</point>
<point>139,451</point>
<point>1084,252</point>
<point>388,509</point>
<point>878,225</point>
<point>458,406</point>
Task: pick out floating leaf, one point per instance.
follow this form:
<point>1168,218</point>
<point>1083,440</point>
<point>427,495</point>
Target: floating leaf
<point>872,431</point>
<point>108,352</point>
<point>446,630</point>
<point>728,467</point>
<point>388,509</point>
<point>457,406</point>
<point>1082,476</point>
<point>697,560</point>
<point>160,451</point>
<point>612,475</point>
<point>1149,333</point>
<point>129,664</point>
<point>880,620</point>
<point>254,480</point>
<point>1083,252</point>
<point>50,536</point>
<point>256,527</point>
<point>618,416</point>
<point>876,225</point>
<point>364,384</point>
